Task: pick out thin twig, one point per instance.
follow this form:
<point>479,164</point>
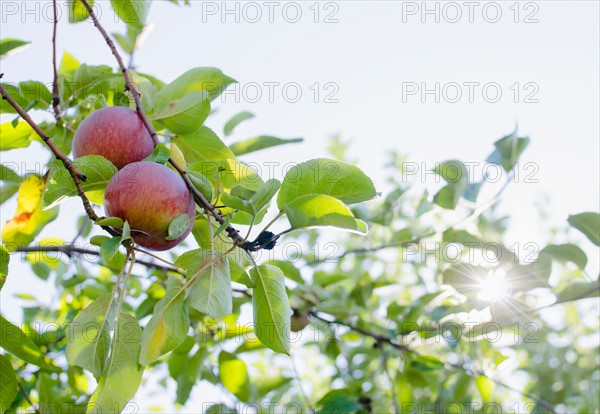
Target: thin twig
<point>379,338</point>
<point>384,361</point>
<point>24,394</point>
<point>55,96</point>
<point>70,250</point>
<point>129,86</point>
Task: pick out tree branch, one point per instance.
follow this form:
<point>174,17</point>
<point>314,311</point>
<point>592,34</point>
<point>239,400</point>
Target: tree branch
<point>76,175</point>
<point>26,396</point>
<point>129,86</point>
<point>55,96</point>
<point>71,249</point>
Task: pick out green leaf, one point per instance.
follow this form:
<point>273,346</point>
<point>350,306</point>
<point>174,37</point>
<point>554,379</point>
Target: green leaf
<point>211,80</point>
<point>289,270</point>
<point>88,338</point>
<point>338,402</point>
<point>184,115</point>
<point>566,253</point>
<point>485,387</point>
<point>463,237</point>
<point>4,260</point>
<point>272,312</point>
<point>131,12</point>
<point>15,137</point>
<point>579,290</point>
<point>233,374</point>
<point>259,143</point>
<point>322,211</point>
<point>456,175</point>
<point>427,363</point>
<point>28,95</point>
<point>508,150</point>
<point>201,183</point>
<point>587,223</point>
<point>178,226</point>
<point>160,154</point>
<point>328,177</point>
<point>203,145</point>
<point>235,121</point>
<point>122,375</point>
<point>252,202</point>
<point>7,191</point>
<point>11,45</point>
<point>210,291</point>
<point>98,171</point>
<point>189,376</point>
<point>169,324</point>
<point>77,11</point>
<point>111,221</point>
<point>8,384</point>
<point>14,340</point>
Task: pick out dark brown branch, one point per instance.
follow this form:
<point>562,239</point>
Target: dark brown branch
<point>55,96</point>
<point>378,338</point>
<point>76,175</point>
<point>129,86</point>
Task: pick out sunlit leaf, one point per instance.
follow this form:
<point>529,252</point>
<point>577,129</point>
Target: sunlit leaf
<point>30,217</point>
<point>234,375</point>
<point>235,121</point>
<point>77,11</point>
<point>202,145</point>
<point>18,136</point>
<point>328,177</point>
<point>260,143</point>
<point>131,12</point>
<point>322,211</point>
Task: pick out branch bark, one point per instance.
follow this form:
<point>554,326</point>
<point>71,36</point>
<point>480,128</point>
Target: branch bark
<point>55,96</point>
<point>129,86</point>
<point>76,175</point>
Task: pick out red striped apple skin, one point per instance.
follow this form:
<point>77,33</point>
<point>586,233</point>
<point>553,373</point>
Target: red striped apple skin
<point>149,196</point>
<point>116,133</point>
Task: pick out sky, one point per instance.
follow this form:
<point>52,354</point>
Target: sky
<point>433,80</point>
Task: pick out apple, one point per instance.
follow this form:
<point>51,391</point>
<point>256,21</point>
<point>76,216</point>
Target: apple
<point>299,322</point>
<point>116,133</point>
<point>149,196</point>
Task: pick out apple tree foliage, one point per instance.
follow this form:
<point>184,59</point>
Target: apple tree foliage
<point>351,307</point>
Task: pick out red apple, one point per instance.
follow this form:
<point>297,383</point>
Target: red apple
<point>116,133</point>
<point>149,196</point>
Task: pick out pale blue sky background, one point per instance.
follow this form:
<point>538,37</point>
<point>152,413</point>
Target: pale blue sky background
<point>369,53</point>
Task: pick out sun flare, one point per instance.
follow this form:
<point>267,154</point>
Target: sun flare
<point>494,287</point>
